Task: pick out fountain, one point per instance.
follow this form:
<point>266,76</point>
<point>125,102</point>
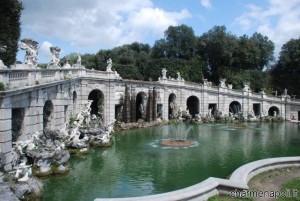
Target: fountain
<point>177,136</point>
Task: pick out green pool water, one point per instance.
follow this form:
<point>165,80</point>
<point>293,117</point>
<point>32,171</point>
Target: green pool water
<point>137,165</point>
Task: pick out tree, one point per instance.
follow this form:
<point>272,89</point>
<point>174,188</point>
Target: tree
<point>159,49</point>
<point>218,47</point>
<point>286,72</point>
<point>263,50</point>
<point>179,42</point>
<point>10,13</point>
<point>89,61</point>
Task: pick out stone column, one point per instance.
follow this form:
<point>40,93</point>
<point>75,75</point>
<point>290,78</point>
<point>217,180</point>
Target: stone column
<point>165,104</point>
<point>133,105</point>
<point>109,103</point>
<point>126,106</point>
<point>154,104</point>
<point>6,135</point>
<point>149,116</point>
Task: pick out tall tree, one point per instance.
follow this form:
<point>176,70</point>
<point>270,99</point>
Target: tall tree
<point>179,42</point>
<point>263,50</point>
<point>10,13</point>
<point>219,47</point>
<point>286,72</point>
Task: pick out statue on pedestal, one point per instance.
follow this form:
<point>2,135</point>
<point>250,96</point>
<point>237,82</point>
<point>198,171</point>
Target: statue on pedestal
<point>109,62</point>
<point>55,56</point>
<point>222,83</point>
<point>78,60</point>
<point>164,73</point>
<point>178,76</point>
<point>246,86</point>
<point>31,48</point>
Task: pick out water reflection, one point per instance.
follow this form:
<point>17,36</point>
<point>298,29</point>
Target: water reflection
<point>137,165</point>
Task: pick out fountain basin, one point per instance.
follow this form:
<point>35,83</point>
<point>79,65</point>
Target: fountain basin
<point>177,143</point>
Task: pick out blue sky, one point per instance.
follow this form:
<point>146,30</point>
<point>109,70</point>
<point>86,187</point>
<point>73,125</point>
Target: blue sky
<point>86,26</point>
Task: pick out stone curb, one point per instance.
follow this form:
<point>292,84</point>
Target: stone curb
<point>214,186</point>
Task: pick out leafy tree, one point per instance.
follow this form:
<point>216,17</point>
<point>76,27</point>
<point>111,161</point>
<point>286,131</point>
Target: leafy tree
<point>179,42</point>
<point>159,49</point>
<point>89,61</point>
<point>218,47</point>
<point>10,13</point>
<point>263,50</point>
<point>286,72</point>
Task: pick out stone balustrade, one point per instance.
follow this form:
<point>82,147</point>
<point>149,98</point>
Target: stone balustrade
<point>17,78</point>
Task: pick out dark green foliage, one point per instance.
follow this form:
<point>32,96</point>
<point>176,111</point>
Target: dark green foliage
<point>179,42</point>
<point>286,72</point>
<point>218,47</point>
<point>2,88</point>
<point>90,61</point>
<point>10,13</point>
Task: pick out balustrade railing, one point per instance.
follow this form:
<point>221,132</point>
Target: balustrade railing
<point>14,78</point>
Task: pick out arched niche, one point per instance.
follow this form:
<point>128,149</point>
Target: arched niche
<point>141,105</point>
<point>235,107</point>
<point>172,106</point>
<point>192,104</point>
<point>47,113</point>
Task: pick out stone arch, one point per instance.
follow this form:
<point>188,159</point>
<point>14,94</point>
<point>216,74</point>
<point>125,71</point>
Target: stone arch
<point>235,107</point>
<point>192,104</point>
<point>47,113</point>
<point>172,106</point>
<point>141,105</point>
<point>272,110</point>
<point>97,106</point>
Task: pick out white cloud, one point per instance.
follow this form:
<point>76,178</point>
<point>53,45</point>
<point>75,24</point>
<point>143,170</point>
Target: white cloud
<point>206,3</point>
<point>44,49</point>
<point>279,21</point>
<point>98,24</point>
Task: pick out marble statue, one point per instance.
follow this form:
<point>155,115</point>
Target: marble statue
<point>178,76</point>
<point>109,65</point>
<point>24,171</point>
<point>55,56</point>
<point>222,83</point>
<point>164,73</point>
<point>31,48</point>
<point>67,63</point>
<point>206,82</point>
<point>285,92</point>
<point>209,112</point>
<point>246,86</point>
<point>274,114</point>
<point>78,62</point>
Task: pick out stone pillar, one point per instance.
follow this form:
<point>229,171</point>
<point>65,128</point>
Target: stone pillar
<point>154,104</point>
<point>133,105</point>
<point>109,103</point>
<point>165,104</point>
<point>126,106</point>
<point>149,116</point>
<point>6,137</point>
